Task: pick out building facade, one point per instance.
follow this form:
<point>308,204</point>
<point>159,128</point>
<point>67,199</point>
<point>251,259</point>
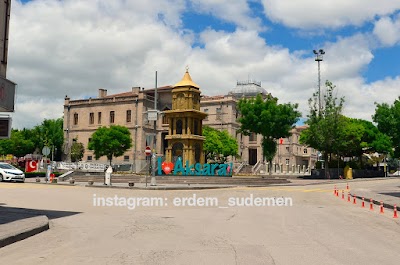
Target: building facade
<point>83,116</point>
<point>7,87</point>
<point>5,7</point>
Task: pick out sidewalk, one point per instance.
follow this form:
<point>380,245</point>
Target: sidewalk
<point>17,224</point>
<point>387,192</point>
<point>137,185</point>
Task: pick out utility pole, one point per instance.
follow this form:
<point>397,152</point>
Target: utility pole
<point>154,151</point>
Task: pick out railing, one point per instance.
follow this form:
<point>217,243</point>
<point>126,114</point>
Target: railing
<point>256,167</point>
<point>240,167</point>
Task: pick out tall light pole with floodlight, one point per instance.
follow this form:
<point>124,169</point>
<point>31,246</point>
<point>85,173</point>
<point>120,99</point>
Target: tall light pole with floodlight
<point>319,58</point>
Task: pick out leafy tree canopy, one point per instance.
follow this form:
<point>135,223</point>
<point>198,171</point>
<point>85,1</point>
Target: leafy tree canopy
<point>18,144</point>
<point>110,141</point>
<point>27,141</point>
<point>218,145</point>
<point>77,151</point>
<point>388,119</point>
<point>325,123</point>
<point>360,136</point>
<point>266,117</point>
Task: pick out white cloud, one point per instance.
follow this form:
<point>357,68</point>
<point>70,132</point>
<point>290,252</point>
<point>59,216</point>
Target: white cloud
<point>237,12</point>
<point>60,48</point>
<point>311,14</point>
<point>388,30</point>
<point>72,48</point>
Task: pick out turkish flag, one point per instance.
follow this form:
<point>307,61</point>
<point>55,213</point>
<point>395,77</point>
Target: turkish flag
<point>31,166</point>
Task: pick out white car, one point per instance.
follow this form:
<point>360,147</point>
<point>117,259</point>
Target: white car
<point>10,173</point>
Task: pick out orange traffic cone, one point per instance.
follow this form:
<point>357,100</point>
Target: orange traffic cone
<point>348,196</point>
<point>371,205</point>
<point>334,190</point>
<point>395,211</point>
<point>354,199</point>
<point>381,210</point>
<point>362,203</point>
<point>343,194</point>
<point>347,186</point>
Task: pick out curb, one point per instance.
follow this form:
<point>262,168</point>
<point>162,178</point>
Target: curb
<point>18,230</point>
<point>159,187</point>
<point>385,205</point>
<point>60,184</point>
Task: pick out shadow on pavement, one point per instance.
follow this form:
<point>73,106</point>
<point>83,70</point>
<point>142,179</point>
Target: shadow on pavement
<point>394,194</point>
<point>11,214</point>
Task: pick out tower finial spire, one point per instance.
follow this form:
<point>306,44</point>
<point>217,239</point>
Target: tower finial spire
<point>187,68</point>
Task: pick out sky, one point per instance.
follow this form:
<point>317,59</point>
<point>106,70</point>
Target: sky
<point>69,47</point>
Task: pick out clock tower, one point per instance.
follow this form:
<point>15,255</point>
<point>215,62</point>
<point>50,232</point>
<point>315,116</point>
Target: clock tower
<point>185,120</point>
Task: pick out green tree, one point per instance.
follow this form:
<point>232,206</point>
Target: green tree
<point>18,144</point>
<point>263,115</point>
<point>388,119</point>
<point>6,146</point>
<point>77,151</point>
<point>358,137</point>
<point>49,133</point>
<point>110,141</point>
<point>325,124</point>
<point>218,145</point>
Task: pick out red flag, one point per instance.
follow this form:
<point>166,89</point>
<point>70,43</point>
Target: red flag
<point>280,141</point>
<point>31,166</point>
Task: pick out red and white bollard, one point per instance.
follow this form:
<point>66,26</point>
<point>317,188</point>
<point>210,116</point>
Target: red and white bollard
<point>381,210</point>
<point>362,202</point>
<point>354,199</point>
<point>343,194</point>
<point>371,205</point>
<point>348,196</point>
<point>395,211</point>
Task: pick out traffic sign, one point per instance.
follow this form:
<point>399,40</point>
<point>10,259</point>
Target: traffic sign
<point>147,151</point>
<point>46,151</point>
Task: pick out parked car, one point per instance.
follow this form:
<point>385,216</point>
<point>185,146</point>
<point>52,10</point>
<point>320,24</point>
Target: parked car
<point>10,173</point>
<point>395,174</point>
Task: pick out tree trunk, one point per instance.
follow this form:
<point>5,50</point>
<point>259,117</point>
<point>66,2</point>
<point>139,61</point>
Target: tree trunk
<point>326,162</point>
<point>270,166</point>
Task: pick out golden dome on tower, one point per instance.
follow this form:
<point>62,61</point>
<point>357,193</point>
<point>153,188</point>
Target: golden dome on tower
<point>187,81</point>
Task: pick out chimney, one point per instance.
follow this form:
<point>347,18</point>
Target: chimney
<point>135,90</point>
<point>102,93</point>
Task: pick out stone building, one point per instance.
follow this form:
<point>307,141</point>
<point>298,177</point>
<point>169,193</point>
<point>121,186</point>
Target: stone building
<point>83,116</point>
<point>5,7</point>
<point>7,87</point>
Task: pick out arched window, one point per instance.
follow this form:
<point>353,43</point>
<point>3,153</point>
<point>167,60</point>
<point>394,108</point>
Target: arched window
<point>196,127</point>
<point>179,127</point>
<point>75,118</point>
<point>177,151</point>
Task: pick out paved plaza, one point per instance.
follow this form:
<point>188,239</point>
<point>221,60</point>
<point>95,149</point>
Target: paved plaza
<point>232,225</point>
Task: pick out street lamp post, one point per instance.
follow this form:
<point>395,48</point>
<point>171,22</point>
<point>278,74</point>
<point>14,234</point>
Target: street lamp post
<point>154,152</point>
<point>319,58</point>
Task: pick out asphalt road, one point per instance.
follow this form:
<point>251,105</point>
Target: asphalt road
<point>318,228</point>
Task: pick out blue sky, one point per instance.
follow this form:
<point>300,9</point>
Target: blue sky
<point>73,48</point>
